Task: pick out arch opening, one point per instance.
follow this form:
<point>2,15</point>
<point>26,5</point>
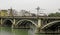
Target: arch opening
<point>7,23</point>
<point>53,27</point>
<point>25,24</point>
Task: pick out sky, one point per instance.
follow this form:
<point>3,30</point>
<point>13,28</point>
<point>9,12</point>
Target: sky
<point>50,6</point>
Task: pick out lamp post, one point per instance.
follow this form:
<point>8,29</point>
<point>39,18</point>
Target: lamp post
<point>38,8</point>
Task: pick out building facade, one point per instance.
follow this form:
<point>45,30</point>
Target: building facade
<point>3,13</point>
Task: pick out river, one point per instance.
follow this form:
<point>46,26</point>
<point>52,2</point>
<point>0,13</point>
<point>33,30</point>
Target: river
<point>9,31</point>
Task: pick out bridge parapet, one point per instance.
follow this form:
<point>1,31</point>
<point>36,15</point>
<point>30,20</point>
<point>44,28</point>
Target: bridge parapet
<point>17,17</point>
<point>41,17</point>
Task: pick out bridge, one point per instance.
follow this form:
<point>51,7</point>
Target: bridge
<point>43,24</point>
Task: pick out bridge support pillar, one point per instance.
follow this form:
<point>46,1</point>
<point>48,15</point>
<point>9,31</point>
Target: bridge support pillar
<point>13,25</point>
<point>38,26</point>
<point>39,23</point>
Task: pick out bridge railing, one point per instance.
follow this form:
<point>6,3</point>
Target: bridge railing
<point>17,17</point>
<point>41,17</point>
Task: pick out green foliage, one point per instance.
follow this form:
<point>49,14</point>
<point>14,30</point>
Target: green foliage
<point>57,14</point>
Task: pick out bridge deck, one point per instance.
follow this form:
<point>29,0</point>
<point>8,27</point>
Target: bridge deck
<point>29,17</point>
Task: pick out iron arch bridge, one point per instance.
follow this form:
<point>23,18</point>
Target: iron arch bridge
<point>41,23</point>
<point>7,22</point>
<point>50,24</point>
<point>25,23</point>
<point>52,27</point>
<point>16,22</point>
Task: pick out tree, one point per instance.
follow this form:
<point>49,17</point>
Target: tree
<point>57,14</point>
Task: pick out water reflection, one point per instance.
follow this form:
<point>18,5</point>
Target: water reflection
<point>5,31</point>
<point>31,31</point>
<point>9,31</point>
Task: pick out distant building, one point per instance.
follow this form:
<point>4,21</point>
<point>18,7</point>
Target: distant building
<point>12,12</point>
<point>3,13</point>
<point>25,13</point>
<point>42,14</point>
<point>15,13</point>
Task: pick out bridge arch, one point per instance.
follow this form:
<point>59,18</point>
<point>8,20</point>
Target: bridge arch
<point>21,21</point>
<point>54,23</point>
<point>7,23</point>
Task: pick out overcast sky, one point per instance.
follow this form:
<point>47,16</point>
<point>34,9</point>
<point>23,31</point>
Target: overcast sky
<point>48,5</point>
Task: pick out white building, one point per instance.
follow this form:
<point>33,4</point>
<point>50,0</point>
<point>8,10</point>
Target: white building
<point>14,12</point>
<point>24,13</point>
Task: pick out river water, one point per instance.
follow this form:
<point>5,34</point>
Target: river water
<point>9,31</point>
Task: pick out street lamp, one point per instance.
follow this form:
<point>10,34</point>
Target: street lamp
<point>38,8</point>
